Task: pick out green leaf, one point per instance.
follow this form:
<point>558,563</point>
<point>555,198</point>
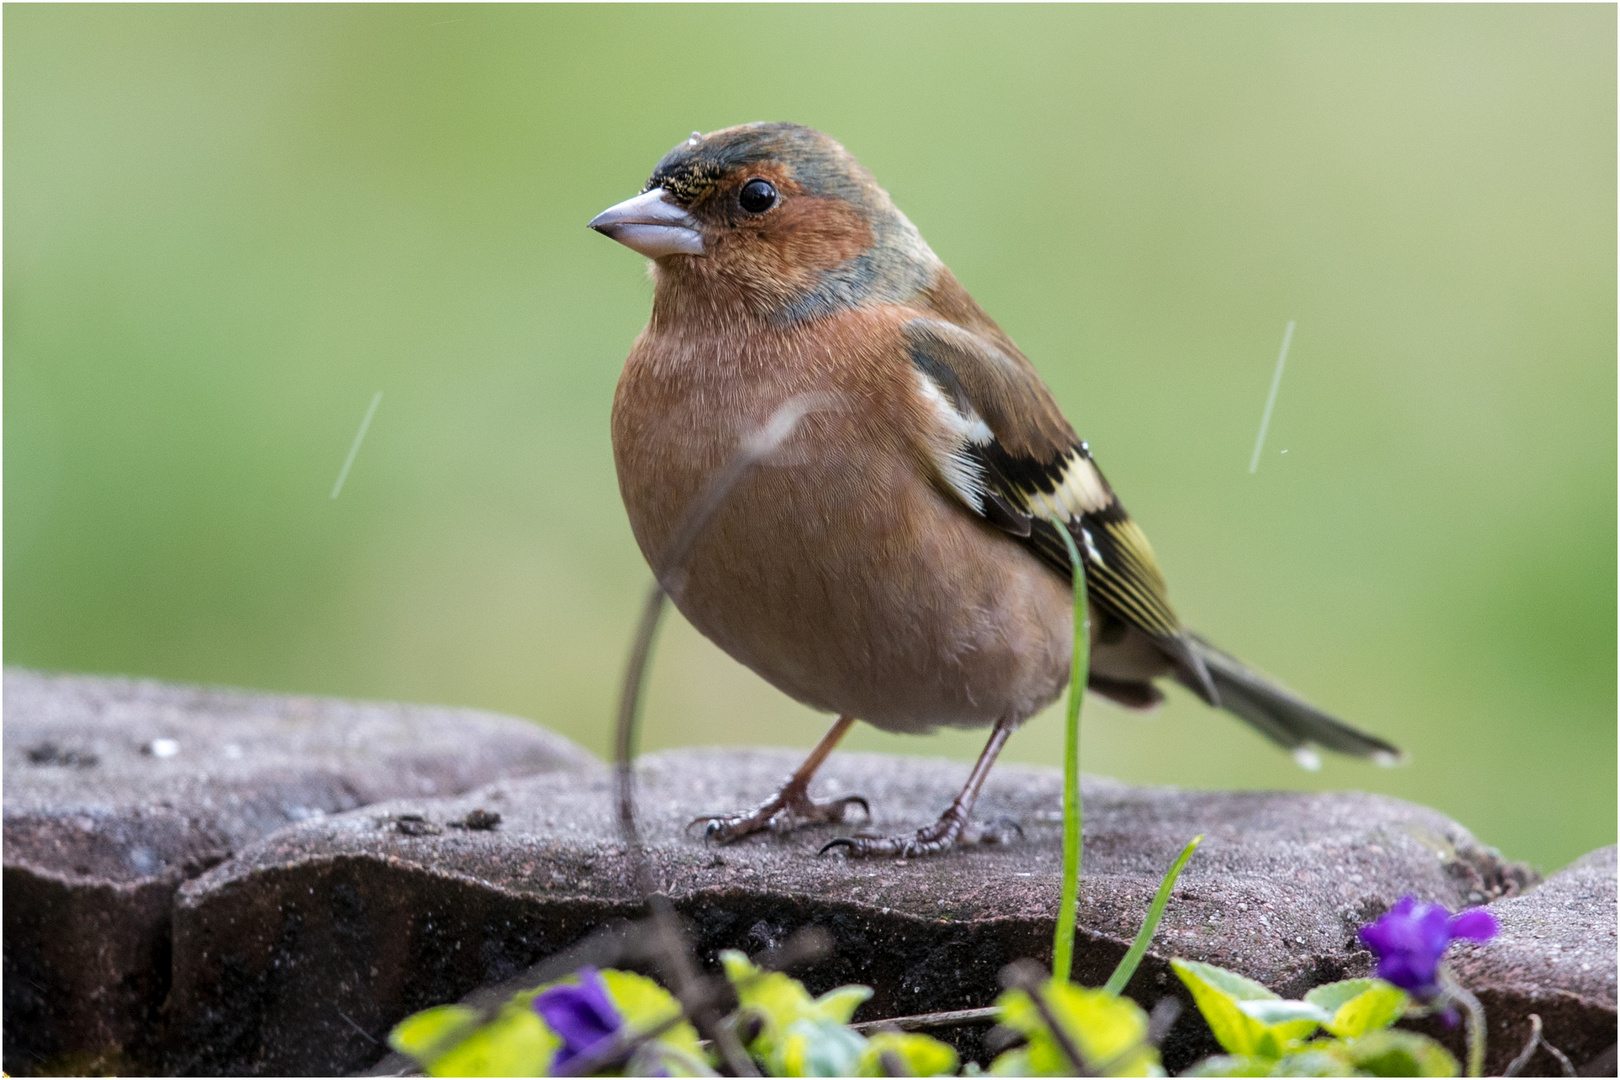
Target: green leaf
<point>919,1055</point>
<point>659,1058</point>
<point>448,1041</point>
<point>1232,1065</point>
<point>1393,1052</point>
<point>1359,1006</point>
<point>1220,995</point>
<point>1013,1063</point>
<point>645,1005</point>
<point>1272,1013</point>
<point>1109,1032</point>
<point>1330,997</point>
<point>427,1034</point>
<point>515,1043</point>
<point>816,1047</point>
<point>1312,1062</point>
<point>781,1002</point>
<point>1306,1062</point>
<point>1144,937</point>
<point>1228,983</point>
<point>839,1004</point>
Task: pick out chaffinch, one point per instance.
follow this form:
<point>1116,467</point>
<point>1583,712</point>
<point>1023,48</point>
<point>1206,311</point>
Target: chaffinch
<point>895,560</point>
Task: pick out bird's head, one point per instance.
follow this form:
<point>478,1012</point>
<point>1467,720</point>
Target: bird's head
<point>777,219</point>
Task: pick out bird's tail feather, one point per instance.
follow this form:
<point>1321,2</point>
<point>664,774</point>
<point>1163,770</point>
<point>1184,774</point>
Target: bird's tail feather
<point>1277,712</point>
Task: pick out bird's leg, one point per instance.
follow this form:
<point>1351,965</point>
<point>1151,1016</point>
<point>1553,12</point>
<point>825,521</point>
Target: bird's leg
<point>791,806</point>
<point>943,833</point>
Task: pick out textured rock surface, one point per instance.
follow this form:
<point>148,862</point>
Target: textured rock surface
<point>288,877</point>
<point>116,791</point>
<point>300,953</point>
<point>1554,957</point>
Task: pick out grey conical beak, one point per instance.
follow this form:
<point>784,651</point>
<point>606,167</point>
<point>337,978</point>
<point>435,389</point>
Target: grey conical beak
<point>651,225</point>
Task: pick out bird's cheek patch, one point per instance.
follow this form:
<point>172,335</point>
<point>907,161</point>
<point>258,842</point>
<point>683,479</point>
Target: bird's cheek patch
<point>818,234</point>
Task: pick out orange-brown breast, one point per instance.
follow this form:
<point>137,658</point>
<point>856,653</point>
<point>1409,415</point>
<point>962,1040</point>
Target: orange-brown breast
<point>837,570</point>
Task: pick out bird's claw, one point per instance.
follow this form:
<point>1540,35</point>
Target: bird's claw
<point>948,832</point>
<point>781,813</point>
<point>941,835</point>
<point>892,847</point>
<point>854,800</point>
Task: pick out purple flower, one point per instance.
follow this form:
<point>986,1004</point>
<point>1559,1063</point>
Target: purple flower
<point>1411,938</point>
<point>582,1014</point>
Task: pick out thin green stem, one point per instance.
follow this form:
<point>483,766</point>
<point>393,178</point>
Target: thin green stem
<point>1073,814</point>
<point>1144,937</point>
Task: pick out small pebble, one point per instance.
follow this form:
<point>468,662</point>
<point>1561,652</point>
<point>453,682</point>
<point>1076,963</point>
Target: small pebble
<point>416,825</point>
<point>481,819</point>
<point>49,753</point>
<point>161,748</point>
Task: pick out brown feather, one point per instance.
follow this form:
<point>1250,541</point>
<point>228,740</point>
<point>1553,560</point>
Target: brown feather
<point>822,571</point>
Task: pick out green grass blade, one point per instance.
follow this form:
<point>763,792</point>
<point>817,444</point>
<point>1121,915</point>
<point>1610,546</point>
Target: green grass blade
<point>1079,668</point>
<point>1144,937</point>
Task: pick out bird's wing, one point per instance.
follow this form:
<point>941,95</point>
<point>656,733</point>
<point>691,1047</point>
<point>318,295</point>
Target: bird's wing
<point>1008,454</point>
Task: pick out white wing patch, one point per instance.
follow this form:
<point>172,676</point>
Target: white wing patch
<point>1091,547</point>
<point>960,470</point>
<point>1081,491</point>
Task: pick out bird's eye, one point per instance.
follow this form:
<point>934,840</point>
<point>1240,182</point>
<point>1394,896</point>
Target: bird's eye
<point>757,196</point>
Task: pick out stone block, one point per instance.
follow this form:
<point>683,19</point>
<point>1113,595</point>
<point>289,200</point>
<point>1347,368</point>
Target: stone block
<point>119,790</point>
<point>1555,957</point>
<point>299,954</point>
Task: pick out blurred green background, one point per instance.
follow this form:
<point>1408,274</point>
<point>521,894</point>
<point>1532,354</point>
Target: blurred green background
<point>227,227</point>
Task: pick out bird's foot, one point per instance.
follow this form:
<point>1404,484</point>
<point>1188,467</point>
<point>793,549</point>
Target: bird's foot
<point>951,830</point>
<point>783,812</point>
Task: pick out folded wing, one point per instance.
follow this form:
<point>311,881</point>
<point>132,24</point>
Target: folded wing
<point>1013,459</point>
